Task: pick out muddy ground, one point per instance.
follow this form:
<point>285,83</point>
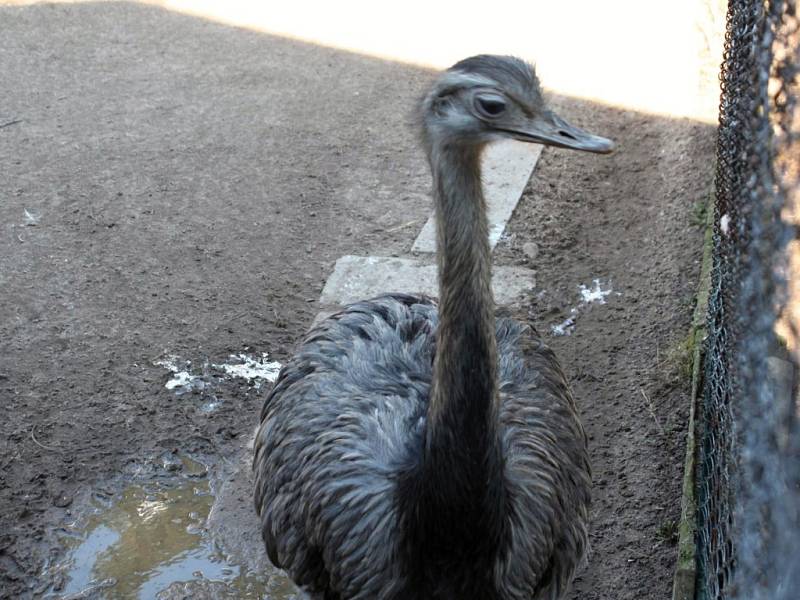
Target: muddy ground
<point>169,185</point>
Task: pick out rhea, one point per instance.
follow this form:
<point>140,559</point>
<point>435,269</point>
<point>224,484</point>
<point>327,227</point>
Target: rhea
<point>414,449</point>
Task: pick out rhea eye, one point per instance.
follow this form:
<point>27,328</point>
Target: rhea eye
<point>490,106</point>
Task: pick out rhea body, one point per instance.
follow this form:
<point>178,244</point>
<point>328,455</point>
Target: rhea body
<point>417,450</point>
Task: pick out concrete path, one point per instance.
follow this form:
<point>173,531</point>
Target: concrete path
<point>507,167</point>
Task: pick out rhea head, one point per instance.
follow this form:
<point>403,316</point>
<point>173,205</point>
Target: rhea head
<point>484,98</point>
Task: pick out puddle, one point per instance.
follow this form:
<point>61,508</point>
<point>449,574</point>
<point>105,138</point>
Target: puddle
<point>149,542</point>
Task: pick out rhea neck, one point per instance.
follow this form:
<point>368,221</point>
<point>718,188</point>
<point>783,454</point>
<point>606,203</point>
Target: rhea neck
<point>459,495</point>
<point>463,397</point>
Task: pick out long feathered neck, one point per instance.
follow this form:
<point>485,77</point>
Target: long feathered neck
<point>463,398</point>
<point>454,498</point>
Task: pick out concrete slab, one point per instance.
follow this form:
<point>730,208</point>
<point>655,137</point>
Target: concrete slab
<point>358,277</point>
<point>233,523</point>
<point>507,166</point>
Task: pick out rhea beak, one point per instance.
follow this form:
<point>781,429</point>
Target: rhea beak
<point>550,129</point>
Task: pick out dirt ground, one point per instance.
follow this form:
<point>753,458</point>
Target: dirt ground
<point>169,185</point>
<point>631,220</point>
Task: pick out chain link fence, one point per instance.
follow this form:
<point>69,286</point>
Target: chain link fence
<point>748,543</point>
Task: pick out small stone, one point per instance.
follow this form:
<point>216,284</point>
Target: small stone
<point>62,500</point>
<point>171,462</point>
<point>531,250</point>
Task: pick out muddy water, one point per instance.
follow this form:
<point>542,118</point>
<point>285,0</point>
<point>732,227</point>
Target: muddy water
<point>149,541</point>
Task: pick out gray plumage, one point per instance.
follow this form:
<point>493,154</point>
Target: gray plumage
<point>414,450</point>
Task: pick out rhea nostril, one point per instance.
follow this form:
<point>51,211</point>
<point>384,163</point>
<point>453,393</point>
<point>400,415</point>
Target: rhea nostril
<point>566,134</point>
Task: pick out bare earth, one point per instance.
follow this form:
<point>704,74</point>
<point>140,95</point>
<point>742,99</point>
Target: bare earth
<point>192,185</point>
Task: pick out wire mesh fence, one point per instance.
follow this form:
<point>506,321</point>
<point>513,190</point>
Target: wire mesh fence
<point>748,545</point>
